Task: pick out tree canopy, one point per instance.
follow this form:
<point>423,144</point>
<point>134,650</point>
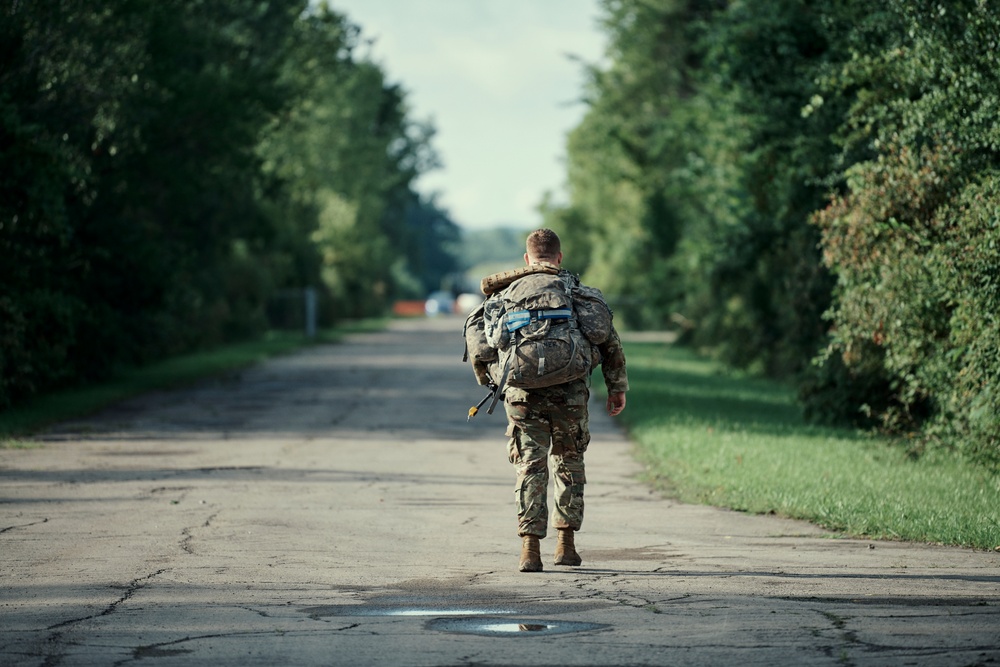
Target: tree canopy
<point>806,189</point>
<point>169,166</point>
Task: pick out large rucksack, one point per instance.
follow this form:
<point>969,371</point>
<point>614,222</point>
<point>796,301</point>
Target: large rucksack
<point>539,329</point>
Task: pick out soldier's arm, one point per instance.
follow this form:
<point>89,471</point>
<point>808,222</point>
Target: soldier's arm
<point>613,364</point>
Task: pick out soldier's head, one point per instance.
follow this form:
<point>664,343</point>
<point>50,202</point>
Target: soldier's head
<point>543,246</point>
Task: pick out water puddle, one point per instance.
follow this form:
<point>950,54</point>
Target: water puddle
<point>489,617</point>
<point>494,627</point>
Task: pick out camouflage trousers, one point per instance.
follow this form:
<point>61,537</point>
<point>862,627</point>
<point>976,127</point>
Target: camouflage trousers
<point>548,428</point>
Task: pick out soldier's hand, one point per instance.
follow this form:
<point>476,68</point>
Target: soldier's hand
<point>616,403</point>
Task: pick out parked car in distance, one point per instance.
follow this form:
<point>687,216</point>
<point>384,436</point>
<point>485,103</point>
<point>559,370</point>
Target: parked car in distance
<point>439,303</point>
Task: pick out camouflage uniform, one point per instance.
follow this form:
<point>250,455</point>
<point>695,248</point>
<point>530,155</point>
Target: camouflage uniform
<point>551,424</point>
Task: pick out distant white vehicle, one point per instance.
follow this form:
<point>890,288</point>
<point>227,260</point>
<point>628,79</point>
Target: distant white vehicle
<point>468,302</point>
<point>439,303</point>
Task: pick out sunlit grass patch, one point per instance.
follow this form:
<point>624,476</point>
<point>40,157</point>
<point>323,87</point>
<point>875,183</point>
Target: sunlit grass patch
<point>716,438</point>
<point>18,443</point>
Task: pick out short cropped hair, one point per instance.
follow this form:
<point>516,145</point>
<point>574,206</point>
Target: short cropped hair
<point>543,245</point>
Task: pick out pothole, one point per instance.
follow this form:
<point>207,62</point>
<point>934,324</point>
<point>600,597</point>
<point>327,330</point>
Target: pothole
<point>497,627</point>
<point>444,606</point>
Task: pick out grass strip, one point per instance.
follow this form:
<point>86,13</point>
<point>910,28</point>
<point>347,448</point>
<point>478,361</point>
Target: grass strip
<point>22,420</point>
<point>711,437</point>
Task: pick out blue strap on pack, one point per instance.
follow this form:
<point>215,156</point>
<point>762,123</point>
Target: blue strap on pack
<point>520,318</point>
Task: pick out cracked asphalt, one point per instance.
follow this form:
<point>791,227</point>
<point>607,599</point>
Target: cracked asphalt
<point>334,507</point>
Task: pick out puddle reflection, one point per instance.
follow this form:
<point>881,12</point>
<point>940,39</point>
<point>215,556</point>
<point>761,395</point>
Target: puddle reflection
<point>491,627</point>
<point>515,627</point>
<point>484,621</point>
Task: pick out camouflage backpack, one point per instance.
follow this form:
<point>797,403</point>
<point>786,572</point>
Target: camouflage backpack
<point>539,328</point>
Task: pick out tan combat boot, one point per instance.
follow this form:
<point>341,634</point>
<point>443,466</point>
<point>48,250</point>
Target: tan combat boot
<point>565,550</point>
<point>531,558</point>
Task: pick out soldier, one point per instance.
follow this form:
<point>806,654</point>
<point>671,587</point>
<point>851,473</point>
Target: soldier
<point>549,426</point>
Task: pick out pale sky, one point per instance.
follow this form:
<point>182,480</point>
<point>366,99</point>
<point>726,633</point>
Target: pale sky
<point>494,78</point>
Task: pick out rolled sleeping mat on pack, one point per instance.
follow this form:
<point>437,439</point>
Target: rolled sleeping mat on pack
<point>498,281</point>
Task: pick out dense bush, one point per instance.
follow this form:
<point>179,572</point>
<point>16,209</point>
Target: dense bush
<point>800,182</point>
<point>913,240</point>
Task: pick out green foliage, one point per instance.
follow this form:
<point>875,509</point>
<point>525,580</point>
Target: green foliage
<point>758,293</point>
<point>969,387</point>
<point>169,166</point>
<point>779,177</point>
<point>349,153</point>
<point>432,249</point>
<point>913,240</point>
<point>713,437</point>
<point>131,131</point>
<point>917,267</point>
<point>693,174</point>
<point>620,226</point>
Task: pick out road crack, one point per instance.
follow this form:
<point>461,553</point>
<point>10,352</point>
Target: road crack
<point>23,525</point>
<point>172,648</point>
<point>188,536</point>
<point>131,589</point>
<point>55,656</point>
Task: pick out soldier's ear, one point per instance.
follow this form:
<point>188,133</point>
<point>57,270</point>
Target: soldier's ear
<point>559,259</point>
<point>526,260</point>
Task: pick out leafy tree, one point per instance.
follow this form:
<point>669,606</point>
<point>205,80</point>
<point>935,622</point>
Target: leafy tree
<point>65,85</point>
<point>348,153</point>
<point>760,290</point>
<point>168,166</point>
<point>716,132</point>
<point>432,247</point>
<point>913,238</point>
<point>623,223</point>
<point>692,177</point>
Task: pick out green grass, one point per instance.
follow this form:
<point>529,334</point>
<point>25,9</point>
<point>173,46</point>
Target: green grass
<point>731,441</point>
<point>174,372</point>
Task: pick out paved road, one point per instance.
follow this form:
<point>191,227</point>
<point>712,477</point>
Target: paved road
<point>335,508</point>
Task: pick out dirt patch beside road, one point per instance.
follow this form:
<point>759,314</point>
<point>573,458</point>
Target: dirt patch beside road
<point>335,507</point>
